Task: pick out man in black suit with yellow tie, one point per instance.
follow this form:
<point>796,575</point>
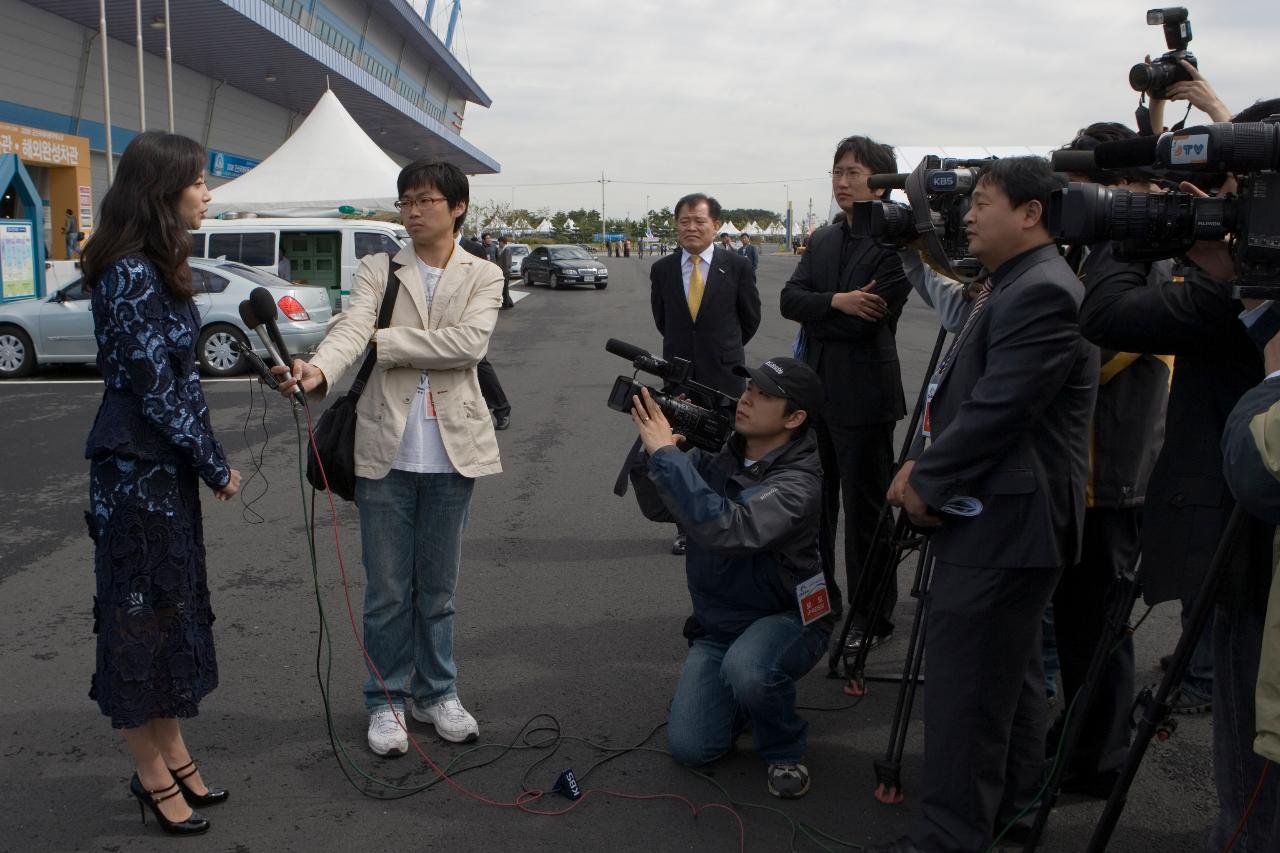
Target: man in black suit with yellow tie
<point>705,302</point>
<point>1007,428</point>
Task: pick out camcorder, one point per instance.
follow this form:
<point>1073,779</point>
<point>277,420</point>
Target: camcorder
<point>1153,226</point>
<point>701,425</point>
<point>938,192</point>
<point>1155,77</point>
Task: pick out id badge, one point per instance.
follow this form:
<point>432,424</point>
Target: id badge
<point>813,598</point>
<point>926,427</point>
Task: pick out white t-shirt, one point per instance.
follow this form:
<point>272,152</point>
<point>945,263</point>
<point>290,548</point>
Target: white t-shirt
<point>421,448</point>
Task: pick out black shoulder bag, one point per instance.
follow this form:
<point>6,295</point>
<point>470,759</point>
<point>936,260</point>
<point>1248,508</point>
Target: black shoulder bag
<point>334,446</point>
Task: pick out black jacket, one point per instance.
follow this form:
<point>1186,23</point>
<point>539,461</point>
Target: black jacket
<point>1128,421</point>
<point>857,359</point>
<point>1010,423</point>
<point>727,317</point>
<point>752,532</point>
<point>1188,503</point>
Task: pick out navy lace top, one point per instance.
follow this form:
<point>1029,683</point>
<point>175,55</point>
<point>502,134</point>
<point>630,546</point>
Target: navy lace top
<point>153,407</point>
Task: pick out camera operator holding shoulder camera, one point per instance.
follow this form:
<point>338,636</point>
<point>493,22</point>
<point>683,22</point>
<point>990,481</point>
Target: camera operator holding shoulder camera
<point>761,614</point>
<point>1197,319</point>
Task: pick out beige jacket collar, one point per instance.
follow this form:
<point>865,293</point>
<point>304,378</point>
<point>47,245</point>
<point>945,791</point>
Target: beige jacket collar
<point>446,290</point>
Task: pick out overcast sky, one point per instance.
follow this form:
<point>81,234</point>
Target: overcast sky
<point>671,96</point>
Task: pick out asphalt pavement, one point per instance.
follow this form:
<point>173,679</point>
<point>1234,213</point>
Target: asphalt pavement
<point>570,608</point>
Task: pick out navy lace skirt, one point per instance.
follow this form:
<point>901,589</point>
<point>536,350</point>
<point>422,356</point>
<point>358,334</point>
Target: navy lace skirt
<point>151,612</point>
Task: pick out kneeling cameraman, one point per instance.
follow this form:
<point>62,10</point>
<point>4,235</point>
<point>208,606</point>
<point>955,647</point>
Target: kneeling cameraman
<point>761,615</point>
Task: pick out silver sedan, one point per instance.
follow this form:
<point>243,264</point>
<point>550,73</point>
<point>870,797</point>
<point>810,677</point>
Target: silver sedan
<point>59,328</point>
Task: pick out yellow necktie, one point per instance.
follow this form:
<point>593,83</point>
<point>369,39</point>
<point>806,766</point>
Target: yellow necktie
<point>695,287</point>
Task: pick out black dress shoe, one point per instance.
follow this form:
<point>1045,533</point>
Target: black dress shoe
<point>678,547</point>
<point>502,423</point>
<point>210,798</point>
<point>902,845</point>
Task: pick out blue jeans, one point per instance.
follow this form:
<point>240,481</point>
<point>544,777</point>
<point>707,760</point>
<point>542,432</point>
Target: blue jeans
<point>1199,675</point>
<point>753,677</point>
<point>411,543</point>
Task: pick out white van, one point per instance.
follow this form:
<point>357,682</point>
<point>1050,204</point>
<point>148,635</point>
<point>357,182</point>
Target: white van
<point>322,252</point>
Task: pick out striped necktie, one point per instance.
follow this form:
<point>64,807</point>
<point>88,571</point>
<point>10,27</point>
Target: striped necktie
<point>979,303</point>
<point>695,287</point>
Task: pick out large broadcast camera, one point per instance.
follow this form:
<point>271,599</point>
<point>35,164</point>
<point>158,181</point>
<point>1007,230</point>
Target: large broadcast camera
<point>1157,76</point>
<point>701,426</point>
<point>938,193</point>
<point>1152,226</point>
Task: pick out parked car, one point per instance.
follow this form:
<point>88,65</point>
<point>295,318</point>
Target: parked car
<point>563,266</point>
<point>519,251</point>
<point>59,328</point>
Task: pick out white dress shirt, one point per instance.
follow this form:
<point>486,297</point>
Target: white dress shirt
<point>686,266</point>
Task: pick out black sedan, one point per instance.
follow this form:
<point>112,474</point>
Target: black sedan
<point>563,266</point>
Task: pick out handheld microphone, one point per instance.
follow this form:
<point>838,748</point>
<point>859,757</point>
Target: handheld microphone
<point>1125,153</point>
<point>257,365</point>
<point>264,307</point>
<point>251,319</point>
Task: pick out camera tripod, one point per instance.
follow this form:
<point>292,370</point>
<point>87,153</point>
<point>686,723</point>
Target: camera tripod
<point>880,575</point>
<point>1156,718</point>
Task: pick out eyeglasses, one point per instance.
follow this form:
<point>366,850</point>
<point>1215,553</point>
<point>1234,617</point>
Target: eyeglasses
<point>424,202</point>
<point>851,174</point>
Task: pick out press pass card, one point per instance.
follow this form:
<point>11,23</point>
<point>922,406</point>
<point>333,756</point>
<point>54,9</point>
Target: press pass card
<point>814,602</point>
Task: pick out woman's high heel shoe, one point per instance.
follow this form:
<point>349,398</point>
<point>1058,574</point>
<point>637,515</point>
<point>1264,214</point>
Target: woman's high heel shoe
<point>193,825</point>
<point>212,798</point>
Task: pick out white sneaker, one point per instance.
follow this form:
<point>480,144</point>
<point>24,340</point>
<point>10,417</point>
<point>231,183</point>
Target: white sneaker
<point>386,732</point>
<point>451,720</point>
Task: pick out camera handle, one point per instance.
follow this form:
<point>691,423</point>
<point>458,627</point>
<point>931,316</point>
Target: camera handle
<point>918,198</point>
<point>1156,708</point>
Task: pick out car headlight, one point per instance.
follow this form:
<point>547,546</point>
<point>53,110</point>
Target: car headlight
<point>567,272</point>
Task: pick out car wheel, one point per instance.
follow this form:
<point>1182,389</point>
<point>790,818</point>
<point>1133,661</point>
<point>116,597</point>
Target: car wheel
<point>217,358</point>
<point>17,355</point>
<point>601,285</point>
<point>551,280</point>
<point>525,280</point>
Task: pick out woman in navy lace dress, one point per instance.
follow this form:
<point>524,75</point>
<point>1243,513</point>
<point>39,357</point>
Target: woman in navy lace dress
<point>150,447</point>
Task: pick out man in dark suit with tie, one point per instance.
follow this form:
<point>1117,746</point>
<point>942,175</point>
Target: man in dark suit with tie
<point>1006,426</point>
<point>847,294</point>
<point>705,303</point>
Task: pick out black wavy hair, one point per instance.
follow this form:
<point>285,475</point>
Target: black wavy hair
<point>139,214</point>
<point>692,200</point>
<point>1024,179</point>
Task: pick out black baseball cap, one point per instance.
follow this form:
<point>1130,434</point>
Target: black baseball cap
<point>786,377</point>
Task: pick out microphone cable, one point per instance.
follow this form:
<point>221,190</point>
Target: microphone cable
<point>247,511</point>
<point>522,740</point>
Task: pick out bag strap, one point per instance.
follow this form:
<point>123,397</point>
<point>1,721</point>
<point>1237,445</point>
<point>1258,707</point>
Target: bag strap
<point>384,320</point>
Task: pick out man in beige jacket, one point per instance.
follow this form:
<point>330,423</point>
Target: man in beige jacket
<point>422,437</point>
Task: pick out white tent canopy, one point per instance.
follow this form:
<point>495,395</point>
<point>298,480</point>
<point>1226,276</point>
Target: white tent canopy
<point>328,162</point>
<point>727,228</point>
<point>569,224</point>
<point>752,229</point>
<point>544,227</point>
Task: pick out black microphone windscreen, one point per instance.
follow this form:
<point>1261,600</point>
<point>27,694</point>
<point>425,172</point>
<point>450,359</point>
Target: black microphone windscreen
<point>1074,162</point>
<point>1139,151</point>
<point>888,181</point>
<point>264,307</point>
<point>628,351</point>
<point>247,315</point>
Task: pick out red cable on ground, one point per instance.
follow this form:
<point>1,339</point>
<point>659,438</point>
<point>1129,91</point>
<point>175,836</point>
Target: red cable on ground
<point>1253,801</point>
<point>526,799</point>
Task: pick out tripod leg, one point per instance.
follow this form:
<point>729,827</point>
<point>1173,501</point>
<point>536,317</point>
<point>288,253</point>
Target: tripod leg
<point>882,548</point>
<point>1155,712</point>
<point>1117,626</point>
<point>886,575</point>
<point>889,770</point>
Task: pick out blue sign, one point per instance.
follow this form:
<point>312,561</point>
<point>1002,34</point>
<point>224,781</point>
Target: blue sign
<point>618,236</point>
<point>224,165</point>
